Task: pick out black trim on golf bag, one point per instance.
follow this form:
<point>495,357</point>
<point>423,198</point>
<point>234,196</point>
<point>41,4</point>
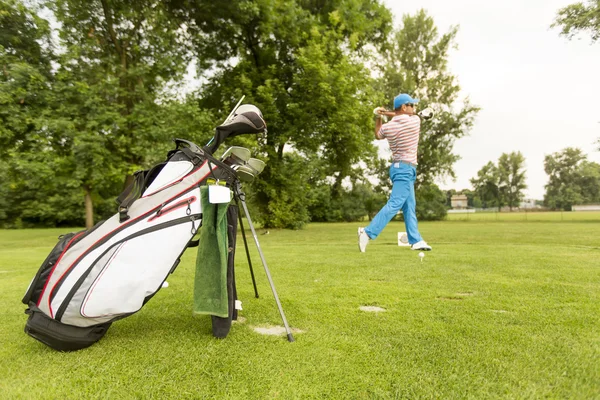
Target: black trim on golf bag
<point>60,336</point>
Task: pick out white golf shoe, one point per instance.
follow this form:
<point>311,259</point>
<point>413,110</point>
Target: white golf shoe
<point>363,240</point>
<point>422,245</point>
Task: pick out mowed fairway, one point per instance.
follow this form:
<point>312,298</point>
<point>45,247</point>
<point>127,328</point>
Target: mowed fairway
<point>499,309</point>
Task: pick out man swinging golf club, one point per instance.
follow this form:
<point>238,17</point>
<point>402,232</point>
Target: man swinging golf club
<point>402,133</point>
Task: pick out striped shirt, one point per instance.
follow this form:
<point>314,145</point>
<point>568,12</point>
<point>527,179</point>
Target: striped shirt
<point>402,133</point>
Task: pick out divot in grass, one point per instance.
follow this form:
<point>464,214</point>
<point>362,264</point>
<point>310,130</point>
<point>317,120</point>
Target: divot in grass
<point>372,309</point>
<point>275,330</point>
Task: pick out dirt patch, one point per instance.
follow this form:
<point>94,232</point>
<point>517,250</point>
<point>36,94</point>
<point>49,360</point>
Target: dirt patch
<point>450,298</point>
<point>240,320</point>
<point>372,309</point>
<point>274,330</point>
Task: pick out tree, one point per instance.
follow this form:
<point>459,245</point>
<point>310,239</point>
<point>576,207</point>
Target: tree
<point>416,62</point>
<point>25,81</point>
<point>25,71</point>
<point>571,179</point>
<point>497,185</point>
<point>431,203</point>
<point>487,186</point>
<point>511,176</point>
<point>300,63</point>
<point>578,18</point>
<point>473,199</point>
<point>117,58</point>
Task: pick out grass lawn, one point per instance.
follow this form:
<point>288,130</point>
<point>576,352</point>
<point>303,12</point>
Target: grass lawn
<point>499,309</point>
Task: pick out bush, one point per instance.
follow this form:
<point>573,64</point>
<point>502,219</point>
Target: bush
<point>431,203</point>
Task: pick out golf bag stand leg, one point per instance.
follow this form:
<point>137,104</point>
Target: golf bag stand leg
<point>247,250</point>
<point>242,196</point>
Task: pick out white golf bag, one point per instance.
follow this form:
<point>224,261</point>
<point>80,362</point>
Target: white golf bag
<point>94,277</point>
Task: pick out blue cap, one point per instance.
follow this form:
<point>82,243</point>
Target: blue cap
<point>402,99</point>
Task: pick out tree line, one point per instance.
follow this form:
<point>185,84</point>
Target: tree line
<point>572,180</point>
<point>91,92</point>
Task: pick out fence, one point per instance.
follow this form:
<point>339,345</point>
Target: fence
<point>524,215</point>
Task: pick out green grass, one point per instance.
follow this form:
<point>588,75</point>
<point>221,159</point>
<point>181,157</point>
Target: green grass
<point>507,309</point>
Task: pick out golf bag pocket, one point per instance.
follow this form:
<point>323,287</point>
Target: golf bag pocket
<point>120,282</point>
<point>64,242</point>
<point>129,270</point>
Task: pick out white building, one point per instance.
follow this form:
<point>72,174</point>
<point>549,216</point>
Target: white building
<point>528,204</point>
<point>586,207</point>
<point>459,202</point>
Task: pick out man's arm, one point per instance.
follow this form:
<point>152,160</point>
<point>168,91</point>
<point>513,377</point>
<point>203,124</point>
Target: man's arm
<point>378,123</point>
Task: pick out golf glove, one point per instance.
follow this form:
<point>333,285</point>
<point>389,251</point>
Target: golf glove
<point>379,110</point>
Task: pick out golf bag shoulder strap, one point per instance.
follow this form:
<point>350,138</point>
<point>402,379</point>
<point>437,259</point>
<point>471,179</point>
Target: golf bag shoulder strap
<point>194,157</point>
<point>130,194</point>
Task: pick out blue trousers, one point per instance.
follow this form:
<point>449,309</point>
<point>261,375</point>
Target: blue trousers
<point>402,198</point>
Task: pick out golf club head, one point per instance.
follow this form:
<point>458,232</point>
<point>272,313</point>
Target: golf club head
<point>246,119</point>
<point>256,164</point>
<point>426,113</point>
<point>244,173</point>
<point>236,155</point>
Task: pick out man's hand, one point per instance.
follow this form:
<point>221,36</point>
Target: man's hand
<point>381,111</point>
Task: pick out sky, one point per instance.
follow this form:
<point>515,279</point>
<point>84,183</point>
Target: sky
<point>538,92</point>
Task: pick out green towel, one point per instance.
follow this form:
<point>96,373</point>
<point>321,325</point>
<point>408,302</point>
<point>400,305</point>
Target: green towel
<point>210,285</point>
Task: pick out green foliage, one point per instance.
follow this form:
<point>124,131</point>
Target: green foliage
<point>25,57</point>
<point>373,200</point>
<point>511,178</point>
<point>4,193</point>
<point>502,184</point>
<point>416,62</point>
<point>24,37</point>
<point>285,208</point>
<point>431,203</point>
<point>579,18</point>
<point>487,184</point>
<point>80,113</point>
<point>320,206</point>
<point>572,179</point>
<point>105,109</point>
<point>298,61</point>
<point>349,205</point>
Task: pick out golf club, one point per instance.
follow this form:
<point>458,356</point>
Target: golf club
<point>228,117</point>
<point>426,113</point>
